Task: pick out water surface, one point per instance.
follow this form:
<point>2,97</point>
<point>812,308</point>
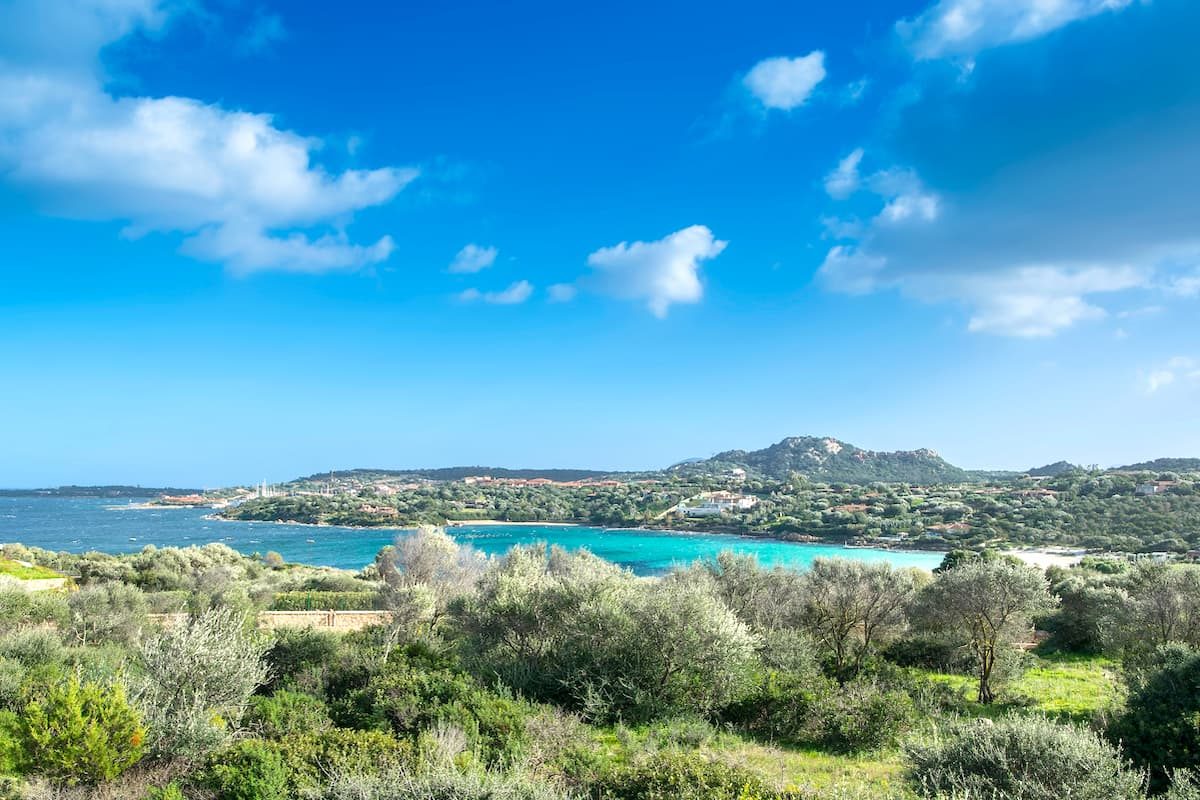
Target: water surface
<point>81,524</point>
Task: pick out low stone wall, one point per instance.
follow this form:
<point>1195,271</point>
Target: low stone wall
<point>324,620</point>
<point>32,585</point>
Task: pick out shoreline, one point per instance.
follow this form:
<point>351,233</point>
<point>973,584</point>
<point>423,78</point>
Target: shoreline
<point>485,523</point>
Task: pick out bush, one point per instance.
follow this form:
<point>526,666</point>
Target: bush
<point>299,650</point>
<point>79,732</point>
<point>113,612</point>
<point>1159,726</point>
<point>286,713</point>
<point>1021,758</point>
<point>780,707</point>
<point>327,601</point>
<point>297,764</point>
<point>312,758</point>
<point>19,608</point>
<point>250,770</point>
<point>680,776</point>
<point>195,680</point>
<point>440,783</point>
<point>859,716</point>
<point>416,692</point>
<point>11,751</point>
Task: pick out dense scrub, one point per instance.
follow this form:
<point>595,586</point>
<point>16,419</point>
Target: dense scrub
<point>547,674</point>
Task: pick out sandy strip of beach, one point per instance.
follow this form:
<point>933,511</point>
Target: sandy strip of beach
<point>455,523</point>
<point>1047,558</point>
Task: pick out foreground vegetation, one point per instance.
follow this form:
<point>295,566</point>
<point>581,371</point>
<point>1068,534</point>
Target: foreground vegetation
<point>548,674</point>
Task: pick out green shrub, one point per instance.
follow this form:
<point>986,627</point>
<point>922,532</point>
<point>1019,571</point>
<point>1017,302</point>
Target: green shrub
<point>286,713</point>
<point>780,707</point>
<point>81,732</point>
<point>441,782</point>
<point>299,650</point>
<point>312,758</point>
<point>250,770</point>
<point>418,690</point>
<point>680,776</point>
<point>1159,727</point>
<point>298,764</point>
<point>859,716</point>
<point>1021,758</point>
<point>169,792</point>
<point>11,750</point>
<point>327,601</point>
<point>33,647</point>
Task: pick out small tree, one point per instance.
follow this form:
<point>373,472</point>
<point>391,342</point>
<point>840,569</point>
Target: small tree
<point>991,605</point>
<point>850,608</point>
<point>81,732</point>
<point>114,612</point>
<point>423,573</point>
<point>195,679</point>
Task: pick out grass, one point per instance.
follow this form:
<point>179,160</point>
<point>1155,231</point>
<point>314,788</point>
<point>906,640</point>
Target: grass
<point>1068,687</point>
<point>18,570</point>
<point>874,775</point>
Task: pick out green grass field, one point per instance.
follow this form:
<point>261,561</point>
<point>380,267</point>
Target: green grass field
<point>1067,687</point>
<point>15,569</point>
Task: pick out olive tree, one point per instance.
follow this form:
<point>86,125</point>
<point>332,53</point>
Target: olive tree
<point>194,680</point>
<point>1163,606</point>
<point>423,572</point>
<point>851,607</point>
<point>991,605</point>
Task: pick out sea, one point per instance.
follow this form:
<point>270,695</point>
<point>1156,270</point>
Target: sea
<point>79,524</point>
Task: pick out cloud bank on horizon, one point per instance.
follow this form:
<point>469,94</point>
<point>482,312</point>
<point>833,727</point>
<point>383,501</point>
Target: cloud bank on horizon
<point>1034,164</point>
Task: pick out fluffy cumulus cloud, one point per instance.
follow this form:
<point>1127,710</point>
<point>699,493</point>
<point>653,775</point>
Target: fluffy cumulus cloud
<point>515,294</point>
<point>785,83</point>
<point>245,192</point>
<point>1057,175</point>
<point>474,258</point>
<point>962,28</point>
<point>659,273</point>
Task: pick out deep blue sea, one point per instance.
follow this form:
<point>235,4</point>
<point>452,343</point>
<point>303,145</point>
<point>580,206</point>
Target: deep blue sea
<point>80,524</point>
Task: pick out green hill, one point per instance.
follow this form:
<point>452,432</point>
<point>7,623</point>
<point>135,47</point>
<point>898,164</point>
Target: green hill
<point>833,461</point>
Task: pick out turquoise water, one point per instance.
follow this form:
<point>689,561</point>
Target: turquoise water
<point>79,524</point>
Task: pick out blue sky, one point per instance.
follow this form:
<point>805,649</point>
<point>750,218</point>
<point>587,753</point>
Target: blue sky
<point>248,240</point>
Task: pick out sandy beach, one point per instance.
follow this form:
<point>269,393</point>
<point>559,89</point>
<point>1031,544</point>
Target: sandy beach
<point>1047,557</point>
<point>458,523</point>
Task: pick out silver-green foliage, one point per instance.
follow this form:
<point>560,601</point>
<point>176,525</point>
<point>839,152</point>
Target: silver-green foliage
<point>1021,758</point>
<point>194,680</point>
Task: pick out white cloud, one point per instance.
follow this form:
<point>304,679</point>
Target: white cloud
<point>243,191</point>
<point>785,83</point>
<point>843,181</point>
<point>1178,369</point>
<point>1186,285</point>
<point>562,292</point>
<point>964,27</point>
<point>515,294</point>
<point>474,258</point>
<point>659,273</point>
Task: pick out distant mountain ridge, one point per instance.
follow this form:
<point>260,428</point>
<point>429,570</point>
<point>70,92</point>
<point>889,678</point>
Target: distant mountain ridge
<point>1054,470</point>
<point>831,460</point>
<point>1164,465</point>
<point>458,473</point>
